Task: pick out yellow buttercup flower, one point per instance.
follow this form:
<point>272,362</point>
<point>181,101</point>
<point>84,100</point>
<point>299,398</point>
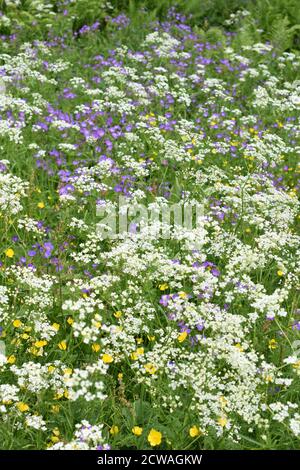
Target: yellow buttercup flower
<point>62,345</point>
<point>163,286</point>
<point>114,430</point>
<point>56,326</point>
<point>223,401</point>
<point>17,323</point>
<point>139,352</point>
<point>269,378</point>
<point>151,338</point>
<point>9,253</point>
<point>194,431</point>
<point>40,344</point>
<point>11,359</point>
<point>137,430</point>
<point>154,437</point>
<point>182,295</point>
<point>107,359</point>
<point>272,344</point>
<point>182,336</point>
<point>118,314</point>
<point>96,347</point>
<point>22,407</point>
<point>280,273</point>
<point>150,368</point>
<point>56,432</point>
<point>41,205</point>
<point>222,421</point>
<point>70,320</point>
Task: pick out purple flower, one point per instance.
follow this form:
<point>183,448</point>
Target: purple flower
<point>48,247</point>
<point>164,300</point>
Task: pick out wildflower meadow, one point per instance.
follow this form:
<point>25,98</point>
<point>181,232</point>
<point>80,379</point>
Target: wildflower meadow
<point>149,225</point>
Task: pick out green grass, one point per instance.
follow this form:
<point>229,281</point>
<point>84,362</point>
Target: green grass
<point>214,388</point>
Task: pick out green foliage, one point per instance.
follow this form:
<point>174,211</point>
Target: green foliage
<point>86,12</point>
<point>277,21</point>
<point>282,35</point>
<point>212,11</point>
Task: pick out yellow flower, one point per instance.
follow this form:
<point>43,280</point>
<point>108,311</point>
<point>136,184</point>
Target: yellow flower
<point>239,347</point>
<point>118,314</point>
<point>40,344</point>
<point>151,338</point>
<point>150,368</point>
<point>11,359</point>
<point>272,344</point>
<point>62,345</point>
<point>120,376</point>
<point>163,286</point>
<point>223,401</point>
<point>55,408</point>
<point>51,369</point>
<point>154,438</point>
<point>17,323</point>
<point>36,351</point>
<point>182,295</point>
<point>134,356</point>
<point>114,430</point>
<point>56,432</point>
<point>222,421</point>
<point>137,431</point>
<point>22,407</point>
<point>41,205</point>
<point>137,353</point>
<point>56,326</point>
<point>280,273</point>
<point>182,336</point>
<point>194,431</point>
<point>9,252</point>
<point>107,359</point>
<point>96,347</point>
<point>70,320</point>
